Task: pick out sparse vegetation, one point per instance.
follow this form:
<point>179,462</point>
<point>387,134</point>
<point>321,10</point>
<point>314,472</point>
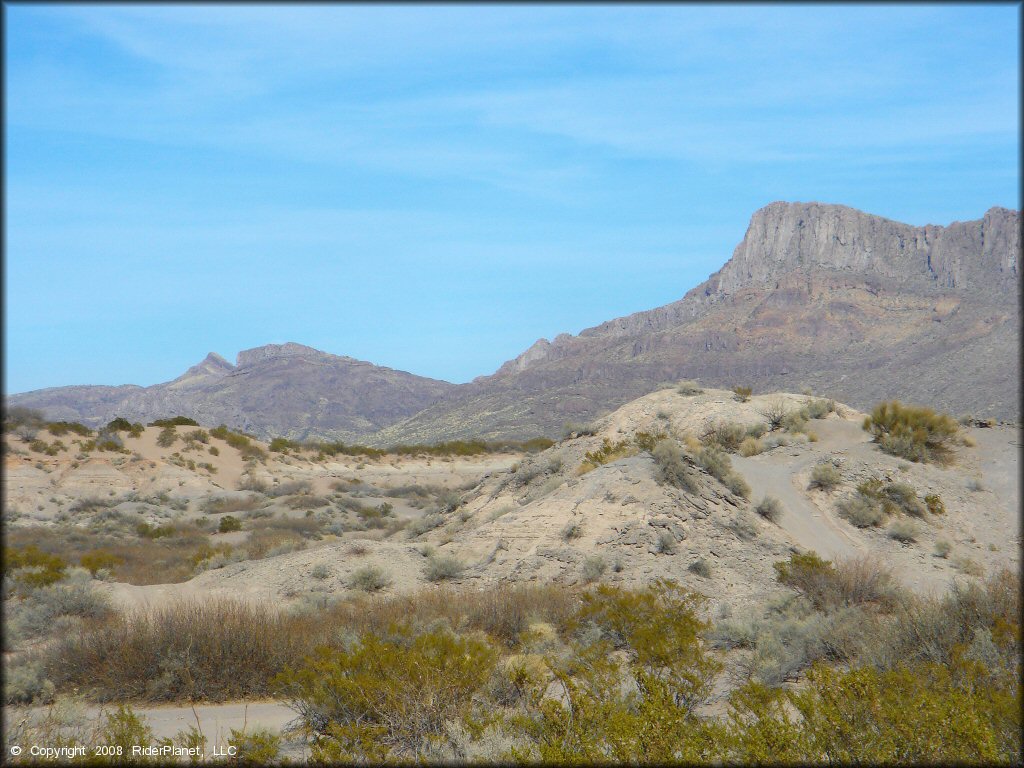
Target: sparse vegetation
<point>671,468</point>
<point>904,531</point>
<point>701,568</point>
<point>571,531</point>
<point>594,567</point>
<point>742,394</point>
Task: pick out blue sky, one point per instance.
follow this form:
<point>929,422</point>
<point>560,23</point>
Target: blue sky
<point>433,188</point>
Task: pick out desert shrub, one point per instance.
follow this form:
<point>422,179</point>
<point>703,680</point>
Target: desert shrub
<point>700,567</point>
<point>903,531</point>
<point>689,388</point>
<point>860,511</point>
<point>795,421</point>
<point>737,485</point>
<point>118,424</point>
<point>751,446</point>
<point>851,581</point>
<point>594,567</point>
<point>369,578</point>
<point>149,531</point>
<point>912,432</point>
<point>726,435</point>
<point>743,525</point>
<point>229,523</point>
<point>386,699</point>
<point>774,412</point>
<point>306,502</point>
<point>174,421</point>
<point>26,683</point>
<point>571,531</point>
<point>769,508</point>
<point>968,566</point>
<point>975,485</point>
<point>904,498</point>
<point>934,505</point>
<point>33,567</point>
<point>320,571</point>
<point>742,393</point>
<point>100,560</point>
<point>573,429</point>
<point>716,463</point>
<point>825,476</point>
<point>289,488</point>
<point>757,430</point>
<point>216,505</point>
<point>671,467</point>
<point>943,548</point>
<point>819,408</point>
<point>19,415</point>
<point>424,524</point>
<point>58,428</point>
<point>610,451</point>
<point>442,567</point>
<point>665,544</point>
<point>166,437</point>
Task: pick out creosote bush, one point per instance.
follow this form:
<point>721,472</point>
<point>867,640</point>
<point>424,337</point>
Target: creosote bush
<point>742,393</point>
<point>912,432</point>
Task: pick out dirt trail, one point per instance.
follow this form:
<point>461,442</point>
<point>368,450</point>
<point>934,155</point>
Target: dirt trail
<point>773,474</point>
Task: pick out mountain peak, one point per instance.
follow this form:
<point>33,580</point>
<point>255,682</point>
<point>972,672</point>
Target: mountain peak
<point>272,351</point>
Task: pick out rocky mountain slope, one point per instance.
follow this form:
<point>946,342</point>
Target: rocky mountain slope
<point>276,390</point>
<point>855,306</point>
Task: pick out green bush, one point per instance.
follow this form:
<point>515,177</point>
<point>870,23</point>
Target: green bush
<point>229,524</point>
<point>933,502</point>
<point>386,699</point>
<point>166,437</point>
<point>99,560</point>
<point>742,393</point>
<point>33,567</point>
<point>700,567</point>
<point>118,424</point>
<point>912,432</point>
<point>175,421</point>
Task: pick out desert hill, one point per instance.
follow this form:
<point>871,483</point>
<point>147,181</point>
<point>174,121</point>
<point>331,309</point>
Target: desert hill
<point>593,506</point>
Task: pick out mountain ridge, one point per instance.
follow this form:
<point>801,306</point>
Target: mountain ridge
<point>816,294</point>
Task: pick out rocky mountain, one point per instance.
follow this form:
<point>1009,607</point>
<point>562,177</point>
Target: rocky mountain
<point>855,306</point>
<point>279,389</point>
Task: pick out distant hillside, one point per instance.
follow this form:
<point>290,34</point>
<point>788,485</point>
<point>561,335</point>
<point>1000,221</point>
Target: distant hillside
<point>279,389</point>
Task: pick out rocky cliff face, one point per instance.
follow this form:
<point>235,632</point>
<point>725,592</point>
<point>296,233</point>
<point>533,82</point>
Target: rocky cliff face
<point>855,306</point>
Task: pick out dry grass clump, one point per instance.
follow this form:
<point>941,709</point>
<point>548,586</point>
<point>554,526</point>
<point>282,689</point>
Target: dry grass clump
<point>912,432</point>
<point>594,567</point>
<point>751,446</point>
<point>290,488</point>
<point>943,548</point>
